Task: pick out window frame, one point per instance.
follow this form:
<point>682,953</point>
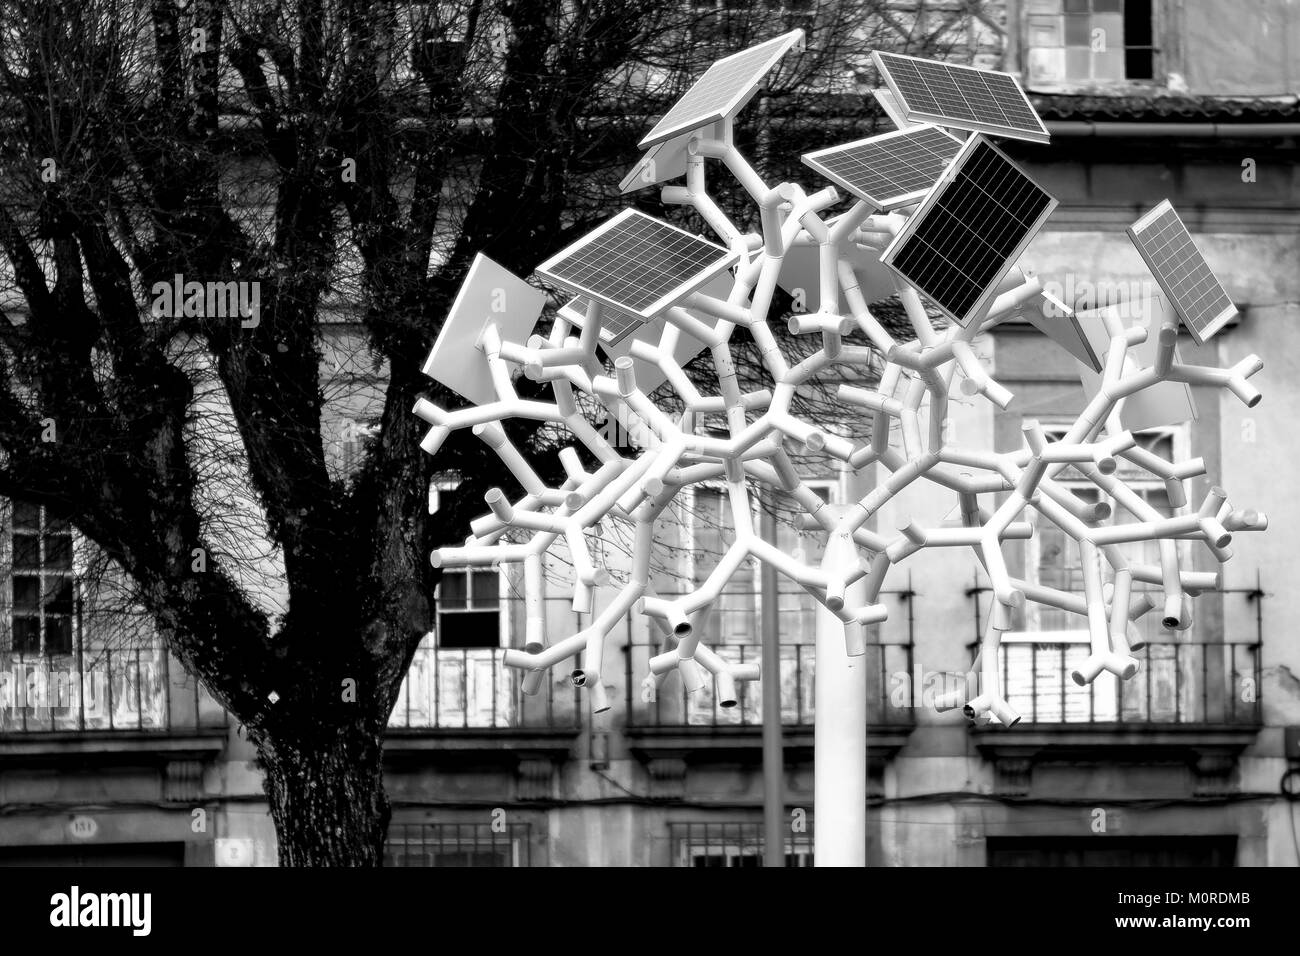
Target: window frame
<point>1160,47</point>
<point>833,485</point>
<point>73,574</point>
<point>1180,436</point>
<point>739,840</point>
<point>351,443</point>
<point>503,602</point>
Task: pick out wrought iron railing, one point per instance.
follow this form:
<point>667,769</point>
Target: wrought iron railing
<point>140,689</point>
<point>889,658</point>
<point>1178,683</point>
<point>1184,678</point>
<point>470,688</point>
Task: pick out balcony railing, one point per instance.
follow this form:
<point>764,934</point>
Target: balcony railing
<point>464,688</point>
<point>888,663</point>
<point>1179,683</point>
<point>1188,681</point>
<point>141,689</point>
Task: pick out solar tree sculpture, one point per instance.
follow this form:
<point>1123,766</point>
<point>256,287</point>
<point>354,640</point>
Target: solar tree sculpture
<point>940,216</point>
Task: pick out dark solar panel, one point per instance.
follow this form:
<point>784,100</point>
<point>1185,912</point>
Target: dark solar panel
<point>890,170</point>
<point>636,263</point>
<point>722,90</point>
<point>1172,256</point>
<point>960,96</point>
<point>615,323</point>
<point>969,230</point>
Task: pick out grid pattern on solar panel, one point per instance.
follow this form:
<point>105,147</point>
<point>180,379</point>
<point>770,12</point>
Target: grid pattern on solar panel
<point>963,242</point>
<point>961,93</point>
<point>1182,271</point>
<point>614,323</point>
<point>713,92</point>
<point>636,262</point>
<point>884,168</point>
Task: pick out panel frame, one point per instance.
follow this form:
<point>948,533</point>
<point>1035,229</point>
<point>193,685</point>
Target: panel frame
<point>813,161</point>
<point>669,160</point>
<point>1040,135</point>
<point>1215,325</point>
<point>885,98</point>
<point>650,377</point>
<point>733,105</point>
<point>946,182</point>
<point>728,258</point>
<point>576,317</point>
<point>456,361</point>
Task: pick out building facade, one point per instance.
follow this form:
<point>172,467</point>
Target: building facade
<point>109,752</point>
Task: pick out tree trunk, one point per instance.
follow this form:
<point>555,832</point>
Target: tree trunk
<point>327,796</point>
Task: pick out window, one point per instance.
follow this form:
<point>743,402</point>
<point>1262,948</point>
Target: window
<point>424,42</point>
<point>468,599</point>
<point>734,617</point>
<point>1037,684</point>
<point>457,844</point>
<point>1086,41</point>
<point>1037,662</point>
<point>469,608</point>
<point>1054,556</point>
<point>732,844</point>
<point>42,582</point>
<point>456,678</point>
<point>348,451</point>
<point>732,627</point>
<point>798,608</point>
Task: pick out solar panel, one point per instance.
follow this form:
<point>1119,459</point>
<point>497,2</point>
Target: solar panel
<point>964,97</point>
<point>723,90</point>
<point>969,230</point>
<point>615,323</point>
<point>1182,272</point>
<point>661,163</point>
<point>489,293</point>
<point>891,108</point>
<point>1059,323</point>
<point>637,264</point>
<point>650,376</point>
<point>891,170</point>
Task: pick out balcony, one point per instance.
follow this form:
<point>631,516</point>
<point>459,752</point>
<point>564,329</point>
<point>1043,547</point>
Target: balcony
<point>694,727</point>
<point>105,704</point>
<point>470,691</point>
<point>1180,685</point>
<point>1196,699</point>
<point>463,705</point>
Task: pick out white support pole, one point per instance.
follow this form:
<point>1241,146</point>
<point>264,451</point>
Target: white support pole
<point>773,753</point>
<point>840,742</point>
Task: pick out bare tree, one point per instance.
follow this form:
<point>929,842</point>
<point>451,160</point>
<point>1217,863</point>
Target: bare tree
<point>337,163</point>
